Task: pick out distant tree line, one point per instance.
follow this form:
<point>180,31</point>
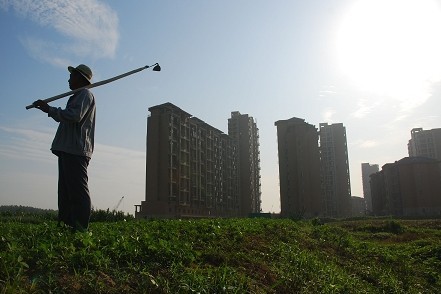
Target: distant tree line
<point>36,215</point>
<point>26,214</point>
<point>25,209</point>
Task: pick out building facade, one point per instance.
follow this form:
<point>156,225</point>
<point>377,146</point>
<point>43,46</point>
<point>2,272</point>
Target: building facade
<point>425,143</point>
<point>358,206</point>
<point>192,169</point>
<point>408,187</point>
<point>245,134</point>
<point>299,168</point>
<point>378,194</point>
<point>336,185</point>
<point>367,170</point>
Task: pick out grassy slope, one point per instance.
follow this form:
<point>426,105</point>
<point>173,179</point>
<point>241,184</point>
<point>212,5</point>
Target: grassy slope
<point>223,256</point>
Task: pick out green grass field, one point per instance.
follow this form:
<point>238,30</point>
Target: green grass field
<point>222,256</point>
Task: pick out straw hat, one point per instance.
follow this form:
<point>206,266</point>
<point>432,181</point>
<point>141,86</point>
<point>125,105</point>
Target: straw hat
<point>84,70</point>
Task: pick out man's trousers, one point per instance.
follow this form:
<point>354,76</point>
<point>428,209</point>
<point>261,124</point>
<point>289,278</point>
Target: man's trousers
<point>74,204</point>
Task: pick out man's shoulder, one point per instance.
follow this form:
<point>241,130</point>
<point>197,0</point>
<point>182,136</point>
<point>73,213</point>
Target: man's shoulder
<point>85,90</point>
<point>85,93</point>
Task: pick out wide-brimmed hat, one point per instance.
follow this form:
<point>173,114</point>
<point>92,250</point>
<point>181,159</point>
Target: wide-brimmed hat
<point>84,70</point>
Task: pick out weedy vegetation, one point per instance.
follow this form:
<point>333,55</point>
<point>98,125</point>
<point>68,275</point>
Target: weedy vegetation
<point>222,256</point>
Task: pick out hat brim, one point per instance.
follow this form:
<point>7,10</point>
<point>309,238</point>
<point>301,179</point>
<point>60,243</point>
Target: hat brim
<point>71,69</point>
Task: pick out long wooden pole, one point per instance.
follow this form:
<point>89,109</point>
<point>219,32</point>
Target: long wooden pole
<point>50,99</point>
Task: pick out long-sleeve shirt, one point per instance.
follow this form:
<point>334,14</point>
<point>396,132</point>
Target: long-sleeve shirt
<point>76,129</point>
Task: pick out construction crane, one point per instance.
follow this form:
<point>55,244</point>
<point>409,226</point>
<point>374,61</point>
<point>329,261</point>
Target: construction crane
<point>118,204</point>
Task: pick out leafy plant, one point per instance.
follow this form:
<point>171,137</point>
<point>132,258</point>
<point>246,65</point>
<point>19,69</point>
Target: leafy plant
<point>222,256</point>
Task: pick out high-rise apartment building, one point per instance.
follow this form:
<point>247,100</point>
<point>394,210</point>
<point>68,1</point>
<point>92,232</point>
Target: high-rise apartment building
<point>358,206</point>
<point>299,168</point>
<point>336,185</point>
<point>195,170</point>
<point>408,187</point>
<point>425,143</point>
<point>245,134</point>
<point>191,168</point>
<point>367,170</point>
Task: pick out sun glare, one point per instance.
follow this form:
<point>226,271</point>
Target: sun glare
<point>392,47</point>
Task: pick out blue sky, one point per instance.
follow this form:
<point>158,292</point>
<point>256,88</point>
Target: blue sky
<point>372,65</point>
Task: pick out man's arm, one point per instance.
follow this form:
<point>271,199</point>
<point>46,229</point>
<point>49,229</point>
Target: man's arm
<point>74,111</point>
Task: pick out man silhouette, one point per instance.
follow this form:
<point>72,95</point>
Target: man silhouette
<point>73,144</point>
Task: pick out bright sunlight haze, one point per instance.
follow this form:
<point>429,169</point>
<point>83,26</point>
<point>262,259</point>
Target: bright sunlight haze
<point>392,48</point>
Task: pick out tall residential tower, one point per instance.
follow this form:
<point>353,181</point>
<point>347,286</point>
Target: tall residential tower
<point>410,186</point>
<point>366,171</point>
<point>195,170</point>
<point>299,168</point>
<point>191,168</point>
<point>245,134</point>
<point>334,161</point>
<point>425,143</point>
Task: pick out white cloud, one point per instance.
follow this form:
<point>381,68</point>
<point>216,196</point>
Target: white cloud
<point>90,28</point>
<point>24,144</point>
<point>44,50</point>
<point>366,143</point>
<point>364,108</point>
<point>327,115</point>
<point>329,91</point>
<point>324,93</point>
